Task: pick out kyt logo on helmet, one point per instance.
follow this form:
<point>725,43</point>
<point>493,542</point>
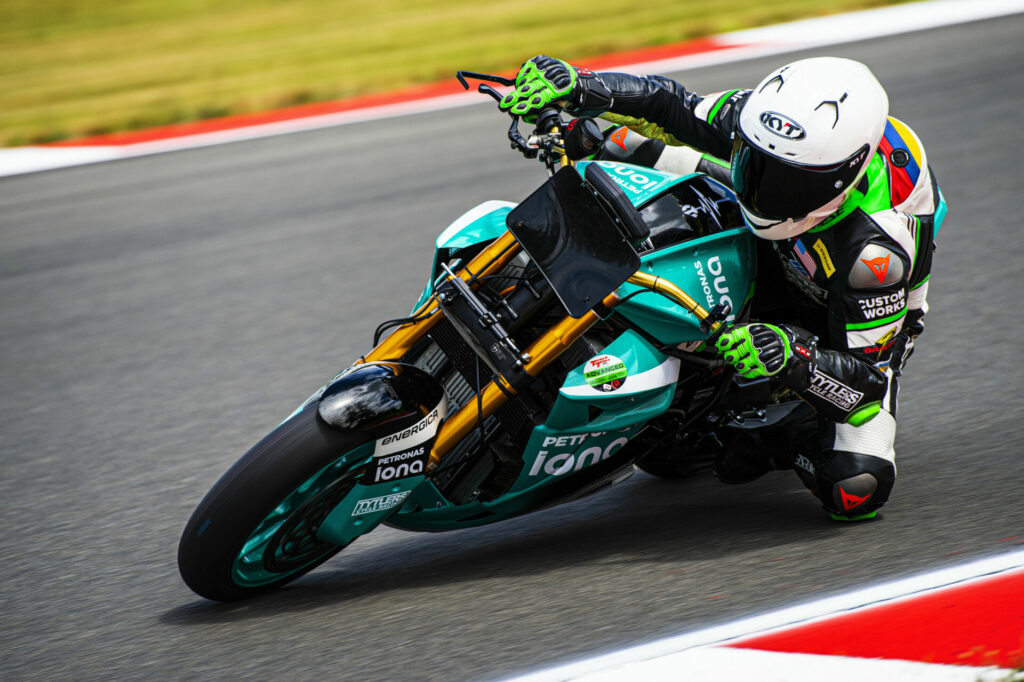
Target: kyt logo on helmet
<point>782,126</point>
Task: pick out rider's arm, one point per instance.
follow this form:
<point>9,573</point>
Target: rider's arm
<point>836,384</point>
<point>661,109</point>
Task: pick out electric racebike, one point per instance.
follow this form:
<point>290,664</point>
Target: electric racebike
<point>554,350</point>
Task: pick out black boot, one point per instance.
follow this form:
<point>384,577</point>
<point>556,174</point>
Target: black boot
<point>742,458</point>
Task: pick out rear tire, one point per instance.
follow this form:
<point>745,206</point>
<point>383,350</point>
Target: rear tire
<point>256,528</point>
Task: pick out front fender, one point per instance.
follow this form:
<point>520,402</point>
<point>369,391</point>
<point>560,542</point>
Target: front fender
<point>380,398</point>
<point>401,407</point>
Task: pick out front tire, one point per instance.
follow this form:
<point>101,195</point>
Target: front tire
<point>256,528</point>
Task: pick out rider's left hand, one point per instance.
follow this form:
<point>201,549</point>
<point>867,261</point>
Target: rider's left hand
<point>755,350</point>
<point>542,81</point>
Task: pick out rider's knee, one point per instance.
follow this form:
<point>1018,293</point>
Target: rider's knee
<point>852,485</point>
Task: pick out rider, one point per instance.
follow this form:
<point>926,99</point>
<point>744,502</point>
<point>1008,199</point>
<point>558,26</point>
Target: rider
<point>846,202</point>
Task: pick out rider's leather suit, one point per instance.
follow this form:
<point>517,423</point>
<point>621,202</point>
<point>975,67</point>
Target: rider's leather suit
<point>858,281</point>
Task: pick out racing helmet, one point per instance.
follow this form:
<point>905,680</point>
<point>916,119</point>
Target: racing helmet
<point>805,137</point>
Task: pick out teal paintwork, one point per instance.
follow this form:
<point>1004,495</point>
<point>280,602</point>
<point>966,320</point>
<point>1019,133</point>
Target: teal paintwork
<point>718,268</point>
<point>586,425</point>
<point>364,508</point>
<point>940,212</point>
<point>248,569</point>
<point>484,223</point>
<point>638,183</point>
<point>570,441</point>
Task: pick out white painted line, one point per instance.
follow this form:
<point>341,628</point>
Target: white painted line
<point>786,617</point>
<point>708,664</point>
<point>18,160</point>
<point>760,42</point>
<point>834,30</point>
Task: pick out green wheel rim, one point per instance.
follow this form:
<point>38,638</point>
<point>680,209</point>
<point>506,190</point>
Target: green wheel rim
<point>285,542</point>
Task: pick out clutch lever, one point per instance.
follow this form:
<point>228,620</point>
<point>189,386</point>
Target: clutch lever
<point>500,80</point>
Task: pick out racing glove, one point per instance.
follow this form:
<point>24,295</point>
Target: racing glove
<point>755,350</point>
<point>544,81</point>
<point>837,385</point>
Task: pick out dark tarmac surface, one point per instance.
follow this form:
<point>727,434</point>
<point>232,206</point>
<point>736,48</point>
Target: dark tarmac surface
<point>158,315</point>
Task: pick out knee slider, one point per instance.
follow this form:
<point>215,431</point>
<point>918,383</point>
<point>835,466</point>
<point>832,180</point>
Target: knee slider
<point>851,484</point>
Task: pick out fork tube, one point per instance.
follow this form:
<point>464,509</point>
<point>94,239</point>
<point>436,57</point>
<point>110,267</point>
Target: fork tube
<point>542,352</point>
<point>489,261</point>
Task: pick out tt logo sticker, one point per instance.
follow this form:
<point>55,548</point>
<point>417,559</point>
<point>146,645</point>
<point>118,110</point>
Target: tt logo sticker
<point>783,126</point>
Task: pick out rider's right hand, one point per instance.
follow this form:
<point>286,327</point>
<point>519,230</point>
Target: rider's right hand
<point>542,81</point>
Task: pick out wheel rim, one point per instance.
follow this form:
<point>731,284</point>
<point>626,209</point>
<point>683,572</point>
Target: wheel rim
<point>285,541</point>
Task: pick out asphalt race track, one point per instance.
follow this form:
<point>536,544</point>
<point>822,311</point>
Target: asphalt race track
<point>158,315</point>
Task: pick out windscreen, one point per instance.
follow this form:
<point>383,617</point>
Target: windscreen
<point>574,242</point>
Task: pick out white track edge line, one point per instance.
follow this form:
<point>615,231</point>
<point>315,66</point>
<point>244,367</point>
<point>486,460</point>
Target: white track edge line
<point>786,617</point>
<point>769,40</point>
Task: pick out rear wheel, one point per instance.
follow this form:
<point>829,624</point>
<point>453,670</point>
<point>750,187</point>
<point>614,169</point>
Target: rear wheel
<point>256,529</point>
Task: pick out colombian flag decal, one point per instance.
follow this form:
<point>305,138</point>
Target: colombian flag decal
<point>903,156</point>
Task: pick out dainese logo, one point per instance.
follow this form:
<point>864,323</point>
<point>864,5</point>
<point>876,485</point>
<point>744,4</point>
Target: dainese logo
<point>781,125</point>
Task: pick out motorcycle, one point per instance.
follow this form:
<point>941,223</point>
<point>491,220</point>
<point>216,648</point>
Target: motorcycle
<point>553,351</point>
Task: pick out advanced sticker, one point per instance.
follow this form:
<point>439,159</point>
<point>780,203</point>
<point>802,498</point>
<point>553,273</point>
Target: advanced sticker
<point>605,373</point>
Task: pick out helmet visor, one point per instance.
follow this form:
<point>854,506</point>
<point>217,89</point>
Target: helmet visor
<point>778,190</point>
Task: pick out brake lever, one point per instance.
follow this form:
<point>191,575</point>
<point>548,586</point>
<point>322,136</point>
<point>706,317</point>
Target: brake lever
<point>488,90</point>
<point>500,80</point>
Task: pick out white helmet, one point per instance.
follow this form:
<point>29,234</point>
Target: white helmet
<point>805,137</point>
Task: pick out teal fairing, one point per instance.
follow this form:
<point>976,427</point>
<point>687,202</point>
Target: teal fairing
<point>586,430</point>
<point>332,485</point>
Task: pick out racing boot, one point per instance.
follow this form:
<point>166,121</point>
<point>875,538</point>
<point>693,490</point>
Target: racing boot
<point>744,456</point>
<point>771,440</point>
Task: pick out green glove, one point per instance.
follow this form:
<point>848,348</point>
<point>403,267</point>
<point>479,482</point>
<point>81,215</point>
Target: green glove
<point>541,82</point>
<point>755,350</point>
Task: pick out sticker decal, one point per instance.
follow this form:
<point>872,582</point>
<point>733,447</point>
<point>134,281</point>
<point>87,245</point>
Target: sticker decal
<point>605,373</point>
<point>826,260</point>
<point>715,270</point>
<point>619,138</point>
<point>879,267</point>
<point>379,504</point>
<point>420,432</point>
<point>805,258</point>
<point>631,180</point>
<point>782,125</point>
<point>563,462</point>
<point>402,465</point>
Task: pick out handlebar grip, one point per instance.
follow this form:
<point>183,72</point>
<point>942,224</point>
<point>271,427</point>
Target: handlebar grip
<point>549,118</point>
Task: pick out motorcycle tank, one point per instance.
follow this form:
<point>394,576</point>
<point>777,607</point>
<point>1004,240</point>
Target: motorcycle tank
<point>715,269</point>
<point>698,242</point>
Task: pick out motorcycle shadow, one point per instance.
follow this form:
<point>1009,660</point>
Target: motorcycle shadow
<point>642,521</point>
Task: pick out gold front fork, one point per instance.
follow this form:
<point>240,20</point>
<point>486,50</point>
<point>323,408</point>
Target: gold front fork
<point>489,261</point>
<point>543,351</point>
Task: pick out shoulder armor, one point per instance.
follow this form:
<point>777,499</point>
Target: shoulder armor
<point>876,266</point>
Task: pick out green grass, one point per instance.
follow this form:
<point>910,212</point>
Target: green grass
<point>82,67</point>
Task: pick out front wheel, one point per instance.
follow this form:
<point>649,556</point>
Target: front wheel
<point>256,528</point>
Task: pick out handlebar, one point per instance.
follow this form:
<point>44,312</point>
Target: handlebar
<point>545,142</point>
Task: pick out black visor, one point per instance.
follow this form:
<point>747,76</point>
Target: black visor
<point>775,189</point>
